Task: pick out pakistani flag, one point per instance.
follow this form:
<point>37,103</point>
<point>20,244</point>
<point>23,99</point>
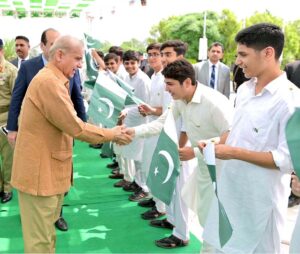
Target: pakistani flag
<point>128,88</point>
<point>91,42</point>
<point>91,70</point>
<point>107,101</point>
<point>225,228</point>
<point>165,164</point>
<point>293,139</point>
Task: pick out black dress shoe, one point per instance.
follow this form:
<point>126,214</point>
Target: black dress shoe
<point>6,197</point>
<point>96,146</point>
<point>147,203</point>
<point>171,242</point>
<point>138,195</point>
<point>1,194</point>
<point>121,183</point>
<point>103,156</point>
<point>61,224</point>
<point>131,187</point>
<point>161,224</point>
<point>113,165</point>
<point>116,176</point>
<point>152,214</point>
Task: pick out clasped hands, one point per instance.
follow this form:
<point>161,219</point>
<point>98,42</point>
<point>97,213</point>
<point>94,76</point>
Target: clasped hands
<point>123,135</point>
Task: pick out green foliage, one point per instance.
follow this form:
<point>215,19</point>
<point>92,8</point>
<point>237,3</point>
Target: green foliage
<point>222,28</point>
<point>9,49</point>
<point>134,44</point>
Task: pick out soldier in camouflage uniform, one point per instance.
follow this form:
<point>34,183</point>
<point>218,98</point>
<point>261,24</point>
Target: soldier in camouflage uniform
<point>8,73</point>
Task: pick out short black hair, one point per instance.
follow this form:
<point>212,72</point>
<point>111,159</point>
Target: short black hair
<point>131,55</point>
<point>216,44</point>
<point>153,45</point>
<point>179,47</point>
<point>180,70</point>
<point>262,35</point>
<point>44,35</point>
<point>110,56</point>
<point>22,37</point>
<point>117,50</point>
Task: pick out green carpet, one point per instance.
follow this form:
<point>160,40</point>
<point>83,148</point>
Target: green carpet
<point>100,217</point>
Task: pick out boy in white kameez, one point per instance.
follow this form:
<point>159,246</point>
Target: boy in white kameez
<point>255,177</point>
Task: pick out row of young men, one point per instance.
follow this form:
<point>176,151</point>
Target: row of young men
<point>254,142</point>
<point>258,60</point>
<point>253,148</point>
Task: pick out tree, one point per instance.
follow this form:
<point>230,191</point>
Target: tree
<point>188,28</point>
<point>134,44</point>
<point>228,27</point>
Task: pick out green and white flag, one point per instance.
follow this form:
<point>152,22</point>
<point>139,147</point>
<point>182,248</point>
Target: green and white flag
<point>92,42</point>
<point>91,70</point>
<point>128,88</point>
<point>225,228</point>
<point>165,164</point>
<point>107,101</point>
<point>293,139</point>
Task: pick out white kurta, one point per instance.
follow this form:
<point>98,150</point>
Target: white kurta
<point>141,84</point>
<point>255,198</point>
<point>206,116</point>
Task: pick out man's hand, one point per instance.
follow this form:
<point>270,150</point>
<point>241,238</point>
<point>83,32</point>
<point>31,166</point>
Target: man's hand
<point>186,153</point>
<point>12,137</point>
<point>130,132</point>
<point>146,109</point>
<point>122,116</point>
<point>201,145</point>
<point>296,185</point>
<point>121,138</point>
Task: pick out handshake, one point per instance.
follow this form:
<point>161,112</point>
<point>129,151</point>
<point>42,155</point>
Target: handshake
<point>123,135</point>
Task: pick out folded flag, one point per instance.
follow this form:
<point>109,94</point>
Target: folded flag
<point>225,228</point>
<point>165,164</point>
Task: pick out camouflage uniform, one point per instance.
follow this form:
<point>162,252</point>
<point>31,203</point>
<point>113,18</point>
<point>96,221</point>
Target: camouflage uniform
<point>8,73</point>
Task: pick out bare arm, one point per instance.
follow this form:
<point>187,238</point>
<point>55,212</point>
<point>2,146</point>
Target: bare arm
<point>263,159</point>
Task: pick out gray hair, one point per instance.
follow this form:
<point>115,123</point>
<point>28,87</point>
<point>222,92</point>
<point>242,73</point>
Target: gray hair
<point>65,43</point>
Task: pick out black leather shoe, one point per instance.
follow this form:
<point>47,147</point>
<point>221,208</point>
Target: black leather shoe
<point>96,146</point>
<point>131,187</point>
<point>61,224</point>
<point>121,183</point>
<point>138,195</point>
<point>147,203</point>
<point>161,224</point>
<point>103,156</point>
<point>152,214</point>
<point>116,176</point>
<point>6,197</point>
<point>1,194</point>
<point>171,242</point>
<point>113,165</point>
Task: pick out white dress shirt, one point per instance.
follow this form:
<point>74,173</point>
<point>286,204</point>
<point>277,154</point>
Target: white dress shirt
<point>255,197</point>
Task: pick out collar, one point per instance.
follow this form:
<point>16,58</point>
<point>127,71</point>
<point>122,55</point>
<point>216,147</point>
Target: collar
<point>211,64</point>
<point>197,94</point>
<point>272,86</point>
<point>45,61</point>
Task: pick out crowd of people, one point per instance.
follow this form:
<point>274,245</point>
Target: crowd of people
<point>42,111</point>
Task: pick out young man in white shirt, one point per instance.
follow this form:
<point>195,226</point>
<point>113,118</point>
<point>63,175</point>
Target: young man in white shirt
<point>254,181</point>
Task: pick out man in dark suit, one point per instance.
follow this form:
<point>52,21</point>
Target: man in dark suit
<point>26,73</point>
<point>293,72</point>
<point>22,48</point>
